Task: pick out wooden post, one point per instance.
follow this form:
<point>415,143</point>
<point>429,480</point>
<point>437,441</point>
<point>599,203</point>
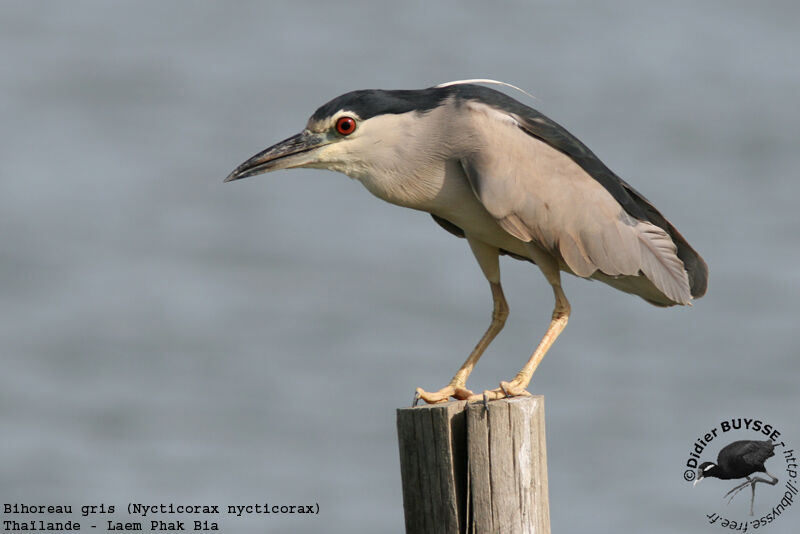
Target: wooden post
<point>466,469</point>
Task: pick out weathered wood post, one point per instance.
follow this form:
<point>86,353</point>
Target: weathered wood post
<point>466,469</point>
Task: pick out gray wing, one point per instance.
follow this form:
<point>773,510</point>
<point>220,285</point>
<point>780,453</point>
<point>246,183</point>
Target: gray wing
<point>538,193</point>
<point>633,202</point>
<point>539,126</point>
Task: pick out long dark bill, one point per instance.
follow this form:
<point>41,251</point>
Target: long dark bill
<point>292,152</point>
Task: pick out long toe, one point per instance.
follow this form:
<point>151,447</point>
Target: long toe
<point>462,393</point>
<point>505,391</point>
<point>514,389</point>
<point>444,394</point>
<point>735,491</point>
<point>486,396</point>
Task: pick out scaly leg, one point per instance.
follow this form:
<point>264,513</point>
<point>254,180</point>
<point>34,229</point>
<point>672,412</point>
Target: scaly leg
<point>487,257</point>
<point>518,386</point>
<point>458,385</point>
<point>752,483</point>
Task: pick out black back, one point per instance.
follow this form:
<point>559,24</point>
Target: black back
<point>742,458</point>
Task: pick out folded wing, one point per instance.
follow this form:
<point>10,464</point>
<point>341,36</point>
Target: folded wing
<point>539,194</point>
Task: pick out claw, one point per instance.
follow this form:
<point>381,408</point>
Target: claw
<point>485,401</point>
<point>416,399</point>
<point>505,391</point>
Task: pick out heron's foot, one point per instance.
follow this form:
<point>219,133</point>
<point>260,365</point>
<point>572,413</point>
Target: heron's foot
<point>737,489</point>
<point>515,388</point>
<point>454,389</point>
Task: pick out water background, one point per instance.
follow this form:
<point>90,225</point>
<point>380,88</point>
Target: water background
<point>168,338</point>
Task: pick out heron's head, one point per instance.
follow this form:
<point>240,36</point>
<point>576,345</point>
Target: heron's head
<point>705,469</point>
<point>356,133</point>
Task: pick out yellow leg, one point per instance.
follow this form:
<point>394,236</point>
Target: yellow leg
<point>457,387</point>
<point>519,384</point>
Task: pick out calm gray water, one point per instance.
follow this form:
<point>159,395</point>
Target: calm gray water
<point>167,338</point>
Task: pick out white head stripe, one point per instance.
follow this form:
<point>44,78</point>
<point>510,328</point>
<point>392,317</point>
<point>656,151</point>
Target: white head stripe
<point>485,80</point>
<point>708,467</point>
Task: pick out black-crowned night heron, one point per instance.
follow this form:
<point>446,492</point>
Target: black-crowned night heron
<point>509,180</point>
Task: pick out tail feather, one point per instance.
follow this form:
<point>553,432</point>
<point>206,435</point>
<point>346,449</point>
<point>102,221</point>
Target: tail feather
<point>661,264</point>
<point>693,263</point>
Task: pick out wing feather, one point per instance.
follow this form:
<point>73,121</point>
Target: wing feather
<point>540,127</point>
<point>660,263</point>
<point>537,193</point>
<point>514,226</point>
<point>744,454</point>
<point>759,452</point>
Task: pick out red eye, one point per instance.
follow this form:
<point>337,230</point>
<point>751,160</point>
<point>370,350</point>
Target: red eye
<point>345,125</point>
